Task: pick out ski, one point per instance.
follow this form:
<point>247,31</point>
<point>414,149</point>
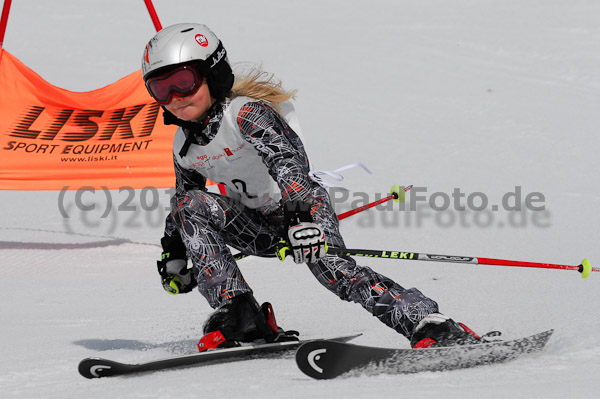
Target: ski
<point>94,367</point>
<point>325,359</point>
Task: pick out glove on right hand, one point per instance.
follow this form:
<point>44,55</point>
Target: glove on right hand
<point>176,278</point>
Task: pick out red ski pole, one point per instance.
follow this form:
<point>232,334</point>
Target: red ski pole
<point>398,194</point>
<point>585,268</point>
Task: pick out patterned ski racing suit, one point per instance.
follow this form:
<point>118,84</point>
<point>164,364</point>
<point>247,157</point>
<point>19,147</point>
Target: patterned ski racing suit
<point>202,224</point>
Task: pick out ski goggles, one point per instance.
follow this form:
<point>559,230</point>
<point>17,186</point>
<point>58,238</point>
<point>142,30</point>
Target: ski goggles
<point>182,82</point>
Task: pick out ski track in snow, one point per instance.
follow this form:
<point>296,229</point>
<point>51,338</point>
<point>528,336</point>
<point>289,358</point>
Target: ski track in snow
<point>484,96</point>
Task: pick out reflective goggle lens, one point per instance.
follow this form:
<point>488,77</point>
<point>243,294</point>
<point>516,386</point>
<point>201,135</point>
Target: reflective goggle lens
<point>182,82</point>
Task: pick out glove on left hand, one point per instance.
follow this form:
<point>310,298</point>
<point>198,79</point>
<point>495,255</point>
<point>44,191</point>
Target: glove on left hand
<point>307,241</point>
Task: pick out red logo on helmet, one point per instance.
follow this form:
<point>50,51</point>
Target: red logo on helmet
<point>201,39</point>
<point>146,56</point>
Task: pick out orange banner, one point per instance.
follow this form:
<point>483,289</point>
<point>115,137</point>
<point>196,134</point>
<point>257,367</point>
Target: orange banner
<point>51,138</point>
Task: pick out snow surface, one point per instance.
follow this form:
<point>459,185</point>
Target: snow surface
<point>477,95</point>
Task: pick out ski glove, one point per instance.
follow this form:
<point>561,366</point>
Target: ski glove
<point>307,242</point>
<point>176,278</point>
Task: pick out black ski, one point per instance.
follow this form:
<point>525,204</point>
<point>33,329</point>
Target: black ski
<point>94,367</point>
<point>325,359</point>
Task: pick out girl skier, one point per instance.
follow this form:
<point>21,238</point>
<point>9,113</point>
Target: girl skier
<point>242,134</point>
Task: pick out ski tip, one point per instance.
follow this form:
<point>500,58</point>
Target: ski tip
<point>94,367</point>
<point>85,368</point>
<point>585,268</point>
<point>312,359</point>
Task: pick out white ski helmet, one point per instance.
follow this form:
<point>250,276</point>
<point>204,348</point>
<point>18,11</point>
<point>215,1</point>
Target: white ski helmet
<point>193,44</point>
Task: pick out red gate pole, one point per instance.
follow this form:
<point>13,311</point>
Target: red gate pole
<point>153,15</point>
<point>4,20</point>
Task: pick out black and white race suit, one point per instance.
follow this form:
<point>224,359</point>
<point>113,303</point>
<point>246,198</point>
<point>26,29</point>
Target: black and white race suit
<point>254,151</point>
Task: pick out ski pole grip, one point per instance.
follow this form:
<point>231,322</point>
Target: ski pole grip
<point>283,250</point>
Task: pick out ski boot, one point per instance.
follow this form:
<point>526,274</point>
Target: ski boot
<point>239,320</point>
<point>438,330</point>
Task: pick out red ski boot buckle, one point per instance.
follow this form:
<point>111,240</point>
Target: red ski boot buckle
<point>210,341</point>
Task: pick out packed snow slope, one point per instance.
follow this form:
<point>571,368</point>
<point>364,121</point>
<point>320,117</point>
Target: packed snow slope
<point>485,97</point>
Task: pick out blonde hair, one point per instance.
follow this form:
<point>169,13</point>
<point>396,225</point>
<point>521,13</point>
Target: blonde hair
<point>260,85</point>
